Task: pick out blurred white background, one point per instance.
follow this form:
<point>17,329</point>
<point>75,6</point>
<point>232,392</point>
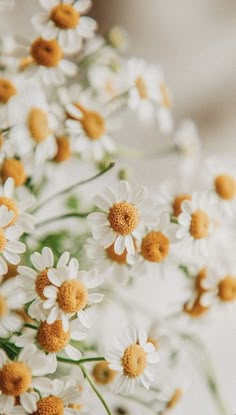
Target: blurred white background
<point>194,41</point>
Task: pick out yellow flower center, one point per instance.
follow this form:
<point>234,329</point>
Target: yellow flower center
<point>123,218</point>
<point>134,361</point>
<point>11,272</point>
<point>15,169</point>
<point>200,222</point>
<point>177,209</point>
<point>177,395</point>
<point>201,276</point>
<point>46,52</point>
<point>7,90</point>
<point>103,374</point>
<point>76,406</point>
<point>3,306</point>
<point>227,289</point>
<point>11,205</point>
<point>120,259</point>
<point>42,282</point>
<point>155,247</point>
<point>72,296</point>
<point>165,96</point>
<point>197,310</point>
<point>63,149</point>
<point>51,337</point>
<point>65,16</point>
<point>52,405</point>
<point>15,378</point>
<point>225,186</point>
<point>141,87</point>
<point>3,240</point>
<point>38,124</point>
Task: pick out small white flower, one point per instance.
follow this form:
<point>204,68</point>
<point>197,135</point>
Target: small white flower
<point>64,20</point>
<point>34,280</point>
<point>126,212</point>
<point>10,247</point>
<point>69,295</point>
<point>18,376</point>
<point>18,205</point>
<point>132,357</point>
<point>32,125</point>
<point>11,300</point>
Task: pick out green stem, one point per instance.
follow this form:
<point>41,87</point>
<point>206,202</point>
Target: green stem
<point>62,217</point>
<point>80,361</point>
<point>70,188</point>
<point>30,326</point>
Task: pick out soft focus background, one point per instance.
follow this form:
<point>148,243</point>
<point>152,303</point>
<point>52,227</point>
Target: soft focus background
<point>194,41</point>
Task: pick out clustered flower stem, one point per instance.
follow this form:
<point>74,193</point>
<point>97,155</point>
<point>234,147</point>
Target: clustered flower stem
<point>62,217</point>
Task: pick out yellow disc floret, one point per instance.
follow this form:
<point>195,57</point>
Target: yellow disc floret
<point>103,374</point>
<point>7,90</point>
<point>134,361</point>
<point>123,218</point>
<point>42,282</point>
<point>3,306</point>
<point>200,223</point>
<point>15,169</point>
<point>51,405</point>
<point>120,259</point>
<point>65,16</point>
<point>46,52</point>
<point>72,296</point>
<point>177,209</point>
<point>63,149</point>
<point>15,378</point>
<point>51,337</point>
<point>155,246</point>
<point>227,288</point>
<point>225,186</point>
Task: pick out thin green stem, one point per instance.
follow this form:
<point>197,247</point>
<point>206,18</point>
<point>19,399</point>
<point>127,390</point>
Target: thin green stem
<point>80,361</point>
<point>30,326</point>
<point>62,217</point>
<point>74,186</point>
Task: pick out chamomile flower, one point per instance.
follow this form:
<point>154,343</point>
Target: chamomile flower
<point>90,127</point>
<point>19,376</point>
<point>102,373</point>
<point>34,280</point>
<point>13,168</point>
<point>132,357</point>
<point>69,295</point>
<point>107,261</point>
<point>18,207</point>
<point>8,89</point>
<point>32,125</point>
<point>10,247</point>
<point>197,223</point>
<point>171,195</point>
<point>53,339</point>
<point>64,21</point>
<point>125,213</point>
<point>11,300</point>
<point>46,62</point>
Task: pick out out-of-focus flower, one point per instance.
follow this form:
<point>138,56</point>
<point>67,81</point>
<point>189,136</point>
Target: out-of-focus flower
<point>11,300</point>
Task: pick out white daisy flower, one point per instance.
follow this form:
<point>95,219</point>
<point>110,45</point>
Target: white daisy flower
<point>64,20</point>
<point>154,251</point>
<point>10,247</point>
<point>32,125</point>
<point>107,261</point>
<point>171,194</point>
<point>34,280</point>
<point>127,211</point>
<point>197,223</point>
<point>11,300</point>
<point>132,357</point>
<point>69,295</point>
<point>90,127</point>
<point>19,376</point>
<point>46,62</point>
<point>53,339</point>
<point>188,145</point>
<point>18,207</point>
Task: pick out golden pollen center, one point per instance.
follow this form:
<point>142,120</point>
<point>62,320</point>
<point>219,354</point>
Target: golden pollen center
<point>46,52</point>
<point>134,361</point>
<point>51,337</point>
<point>52,405</point>
<point>93,124</point>
<point>7,90</point>
<point>38,124</point>
<point>141,87</point>
<point>11,205</point>
<point>72,296</point>
<point>155,247</point>
<point>197,310</point>
<point>201,276</point>
<point>42,282</point>
<point>123,218</point>
<point>177,209</point>
<point>120,259</point>
<point>225,186</point>
<point>3,240</point>
<point>103,374</point>
<point>3,306</point>
<point>15,169</point>
<point>227,289</point>
<point>65,16</point>
<point>200,223</point>
<point>177,395</point>
<point>15,378</point>
<point>63,149</point>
